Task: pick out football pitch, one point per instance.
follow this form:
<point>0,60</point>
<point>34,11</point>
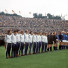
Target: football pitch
<point>54,59</point>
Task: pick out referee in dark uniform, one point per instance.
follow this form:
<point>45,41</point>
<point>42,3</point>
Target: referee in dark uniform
<point>49,46</point>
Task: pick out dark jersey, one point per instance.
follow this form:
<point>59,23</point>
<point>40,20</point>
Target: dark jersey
<point>60,37</point>
<point>50,39</point>
<point>54,38</point>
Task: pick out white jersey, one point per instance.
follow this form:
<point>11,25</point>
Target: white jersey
<point>18,37</point>
<point>37,38</point>
<point>22,38</point>
<point>8,38</point>
<point>42,38</point>
<point>13,38</point>
<point>45,39</point>
<point>34,38</point>
<point>30,38</point>
<point>26,39</point>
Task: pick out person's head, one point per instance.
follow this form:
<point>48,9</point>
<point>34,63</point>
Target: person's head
<point>45,34</point>
<point>40,33</point>
<point>18,31</point>
<point>67,33</point>
<point>60,33</point>
<point>9,32</point>
<point>35,33</point>
<point>49,33</point>
<point>57,33</point>
<point>26,31</point>
<point>63,32</point>
<point>54,33</point>
<point>22,32</point>
<point>15,32</point>
<point>31,32</point>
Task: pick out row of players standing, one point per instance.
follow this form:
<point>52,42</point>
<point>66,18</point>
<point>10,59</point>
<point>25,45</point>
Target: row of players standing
<point>19,42</point>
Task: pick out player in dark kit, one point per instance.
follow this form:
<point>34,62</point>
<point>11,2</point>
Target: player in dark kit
<point>60,38</point>
<point>55,41</point>
<point>50,41</point>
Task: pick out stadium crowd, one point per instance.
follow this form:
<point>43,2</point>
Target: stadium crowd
<point>22,43</point>
<point>34,24</point>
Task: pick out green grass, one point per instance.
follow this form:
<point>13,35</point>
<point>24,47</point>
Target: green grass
<point>55,59</point>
